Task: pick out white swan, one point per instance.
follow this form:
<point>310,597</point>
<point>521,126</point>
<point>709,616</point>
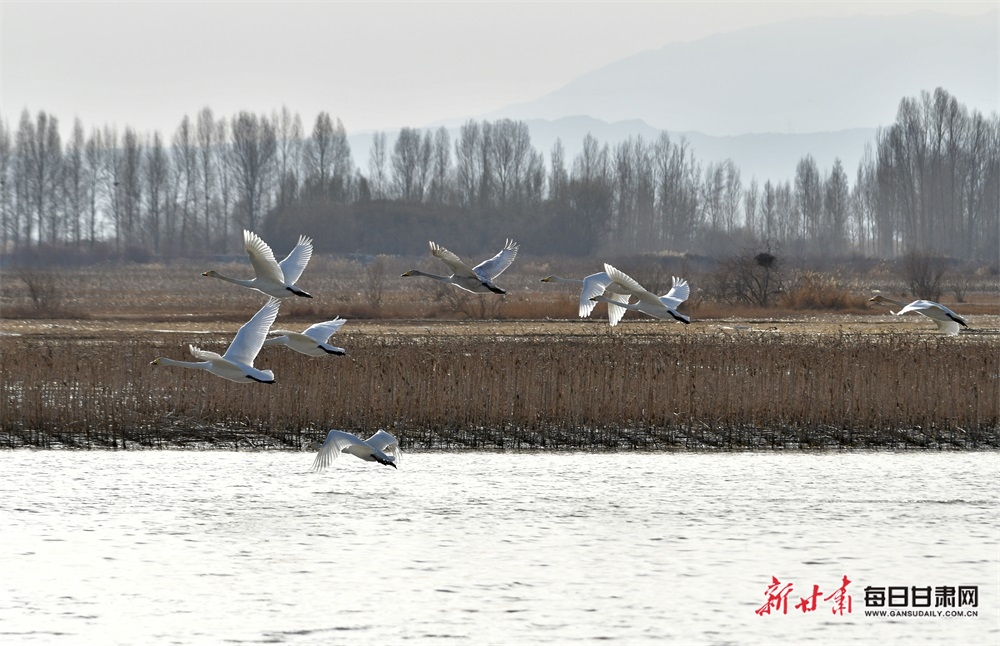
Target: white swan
<point>381,447</point>
<point>312,341</point>
<point>273,278</point>
<point>946,320</point>
<point>478,279</point>
<point>596,285</point>
<point>237,362</point>
<point>661,307</point>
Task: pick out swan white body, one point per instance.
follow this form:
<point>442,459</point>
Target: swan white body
<point>596,285</point>
<point>273,278</point>
<point>237,362</point>
<point>478,279</point>
<point>661,307</point>
<point>946,320</point>
<point>380,447</point>
<point>313,341</point>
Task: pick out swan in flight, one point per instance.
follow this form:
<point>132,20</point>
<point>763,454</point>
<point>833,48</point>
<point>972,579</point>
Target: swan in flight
<point>478,279</point>
<point>312,341</point>
<point>276,279</point>
<point>596,285</point>
<point>381,447</point>
<point>237,362</point>
<point>661,307</point>
<point>946,320</point>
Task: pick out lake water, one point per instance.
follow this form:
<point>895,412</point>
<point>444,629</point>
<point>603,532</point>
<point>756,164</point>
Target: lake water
<point>156,547</point>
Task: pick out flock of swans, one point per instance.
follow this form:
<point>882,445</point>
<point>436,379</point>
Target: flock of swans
<point>277,280</point>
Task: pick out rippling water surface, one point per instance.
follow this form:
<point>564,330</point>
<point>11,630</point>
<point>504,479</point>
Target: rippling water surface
<point>226,547</point>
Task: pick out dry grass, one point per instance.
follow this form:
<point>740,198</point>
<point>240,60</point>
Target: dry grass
<point>589,390</point>
<point>530,376</point>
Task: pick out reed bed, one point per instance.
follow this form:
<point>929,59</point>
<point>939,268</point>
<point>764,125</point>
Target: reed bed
<point>707,391</point>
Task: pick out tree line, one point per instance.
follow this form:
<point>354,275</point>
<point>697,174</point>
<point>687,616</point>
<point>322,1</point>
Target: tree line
<point>929,182</point>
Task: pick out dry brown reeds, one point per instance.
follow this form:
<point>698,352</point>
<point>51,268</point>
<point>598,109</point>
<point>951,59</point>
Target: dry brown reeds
<point>755,390</point>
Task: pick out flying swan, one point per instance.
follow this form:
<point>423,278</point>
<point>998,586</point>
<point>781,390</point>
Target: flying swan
<point>312,341</point>
<point>381,447</point>
<point>478,279</point>
<point>596,285</point>
<point>237,363</point>
<point>276,279</point>
<point>946,320</point>
<point>661,307</point>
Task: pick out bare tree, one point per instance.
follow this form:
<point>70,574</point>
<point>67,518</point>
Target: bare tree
<point>559,177</point>
<point>288,131</point>
<point>130,180</point>
<point>441,166</point>
<point>185,167</point>
<point>254,149</point>
<point>509,155</point>
<point>74,184</point>
<point>157,177</point>
<point>7,233</point>
<point>207,166</point>
<point>377,176</point>
<point>40,147</point>
<point>836,200</point>
<point>468,164</point>
<point>924,272</point>
<point>406,166</point>
<point>809,198</point>
<point>224,164</point>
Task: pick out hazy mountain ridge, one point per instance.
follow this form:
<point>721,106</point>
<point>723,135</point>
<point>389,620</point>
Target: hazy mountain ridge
<point>835,74</point>
<point>850,75</point>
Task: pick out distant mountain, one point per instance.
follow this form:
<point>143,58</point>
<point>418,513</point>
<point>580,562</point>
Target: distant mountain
<point>769,95</point>
<point>795,76</point>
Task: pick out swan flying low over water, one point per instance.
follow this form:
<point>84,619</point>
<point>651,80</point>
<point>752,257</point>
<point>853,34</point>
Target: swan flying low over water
<point>661,307</point>
<point>596,285</point>
<point>478,279</point>
<point>312,341</point>
<point>380,447</point>
<point>276,279</point>
<point>237,362</point>
<point>946,320</point>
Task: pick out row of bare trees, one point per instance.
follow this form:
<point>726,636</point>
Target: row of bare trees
<point>930,181</point>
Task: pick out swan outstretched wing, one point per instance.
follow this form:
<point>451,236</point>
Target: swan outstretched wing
<point>946,320</point>
<point>335,443</point>
<point>252,334</point>
<point>385,443</point>
<point>677,294</point>
<point>616,312</point>
<point>323,331</point>
<point>496,265</point>
<point>629,284</point>
<point>204,355</point>
<point>593,285</point>
<point>295,263</point>
<point>262,258</point>
<point>948,327</point>
<point>458,267</point>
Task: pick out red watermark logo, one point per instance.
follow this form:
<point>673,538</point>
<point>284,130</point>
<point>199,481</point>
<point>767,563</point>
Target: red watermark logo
<point>901,601</point>
<point>777,599</point>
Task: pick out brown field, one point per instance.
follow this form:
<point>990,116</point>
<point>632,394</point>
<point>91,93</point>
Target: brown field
<point>75,372</point>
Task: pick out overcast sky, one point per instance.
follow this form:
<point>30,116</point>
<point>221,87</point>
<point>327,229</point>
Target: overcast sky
<point>374,65</point>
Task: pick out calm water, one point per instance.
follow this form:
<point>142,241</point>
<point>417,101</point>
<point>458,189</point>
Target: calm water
<point>226,547</point>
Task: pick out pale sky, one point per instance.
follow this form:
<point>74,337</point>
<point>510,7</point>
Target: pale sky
<point>374,65</point>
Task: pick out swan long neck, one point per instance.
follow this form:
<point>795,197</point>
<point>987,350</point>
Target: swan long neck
<point>417,272</point>
<point>883,299</point>
<point>235,281</point>
<point>197,365</point>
